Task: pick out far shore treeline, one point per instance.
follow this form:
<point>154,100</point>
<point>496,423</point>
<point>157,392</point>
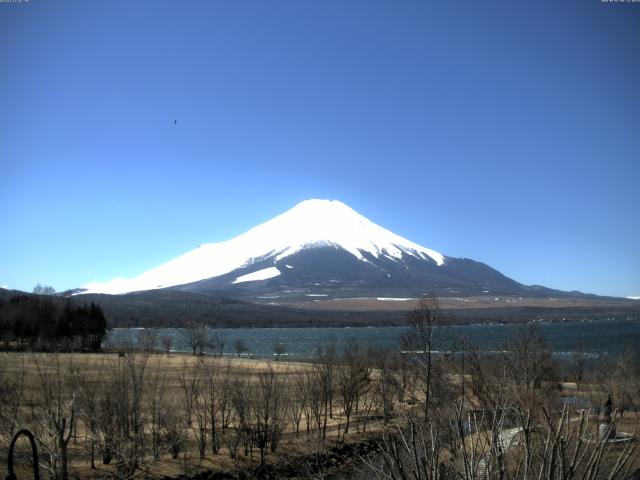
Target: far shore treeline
<point>46,322</point>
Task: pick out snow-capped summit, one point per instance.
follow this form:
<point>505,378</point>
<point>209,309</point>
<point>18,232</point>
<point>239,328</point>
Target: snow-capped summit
<point>331,222</point>
<point>312,224</point>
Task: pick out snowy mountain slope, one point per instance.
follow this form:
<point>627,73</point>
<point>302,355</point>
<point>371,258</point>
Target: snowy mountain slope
<point>310,225</point>
<point>329,272</point>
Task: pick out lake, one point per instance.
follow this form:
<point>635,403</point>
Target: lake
<point>596,336</point>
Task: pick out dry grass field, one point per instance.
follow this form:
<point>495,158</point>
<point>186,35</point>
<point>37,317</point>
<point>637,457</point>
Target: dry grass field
<point>172,388</point>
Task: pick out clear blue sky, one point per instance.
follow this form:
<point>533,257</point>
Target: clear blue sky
<point>503,131</point>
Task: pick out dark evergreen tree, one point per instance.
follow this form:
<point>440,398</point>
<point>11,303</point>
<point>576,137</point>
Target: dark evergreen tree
<point>47,322</point>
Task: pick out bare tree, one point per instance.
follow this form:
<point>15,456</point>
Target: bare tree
<point>201,407</point>
<point>136,366</point>
<point>297,401</point>
<point>352,378</point>
<point>241,404</point>
<point>189,385</point>
<point>173,431</point>
<point>217,343</point>
<point>385,389</point>
<point>195,336</point>
<point>156,405</point>
<point>616,375</point>
<point>318,401</point>
<point>223,395</point>
<point>279,349</point>
<point>55,417</point>
<point>213,399</point>
<point>240,347</point>
<point>121,418</point>
<point>90,392</point>
<point>167,341</point>
<point>419,342</point>
<point>269,411</point>
<point>147,340</point>
<point>43,290</point>
<point>326,362</point>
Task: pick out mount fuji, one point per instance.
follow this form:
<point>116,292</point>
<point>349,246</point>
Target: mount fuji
<point>321,249</point>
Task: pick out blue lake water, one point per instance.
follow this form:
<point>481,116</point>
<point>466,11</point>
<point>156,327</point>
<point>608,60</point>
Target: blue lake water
<point>597,336</point>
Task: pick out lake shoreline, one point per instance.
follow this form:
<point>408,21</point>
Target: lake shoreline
<point>602,336</point>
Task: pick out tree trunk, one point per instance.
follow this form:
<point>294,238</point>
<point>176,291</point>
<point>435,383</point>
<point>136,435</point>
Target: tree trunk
<point>62,445</point>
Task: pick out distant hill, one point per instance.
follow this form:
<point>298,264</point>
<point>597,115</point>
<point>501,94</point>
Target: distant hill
<point>170,308</point>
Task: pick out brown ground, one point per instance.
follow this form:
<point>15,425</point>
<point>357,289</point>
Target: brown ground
<point>485,301</point>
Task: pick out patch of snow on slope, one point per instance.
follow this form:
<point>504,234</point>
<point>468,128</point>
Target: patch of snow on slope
<point>634,297</point>
<point>309,224</point>
<point>394,299</point>
<point>263,274</point>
